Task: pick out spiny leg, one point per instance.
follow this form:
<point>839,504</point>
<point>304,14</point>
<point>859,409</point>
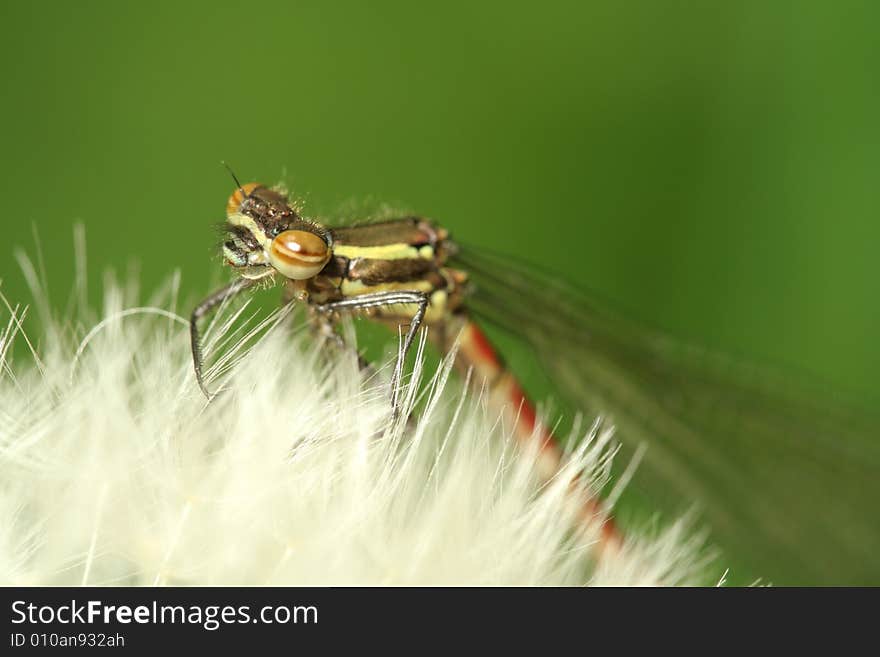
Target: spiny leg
<point>208,304</point>
<point>324,329</point>
<point>382,299</point>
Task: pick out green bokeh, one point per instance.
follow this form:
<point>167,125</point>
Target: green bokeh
<point>711,167</point>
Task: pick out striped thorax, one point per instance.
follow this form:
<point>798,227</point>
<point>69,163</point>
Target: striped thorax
<point>267,236</point>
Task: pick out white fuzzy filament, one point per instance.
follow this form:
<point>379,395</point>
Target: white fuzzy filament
<point>115,470</point>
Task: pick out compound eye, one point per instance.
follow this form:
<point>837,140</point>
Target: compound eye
<point>298,254</point>
<point>233,205</point>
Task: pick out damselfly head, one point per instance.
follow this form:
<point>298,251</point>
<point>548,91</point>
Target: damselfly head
<point>265,231</point>
<point>238,197</point>
<point>268,206</point>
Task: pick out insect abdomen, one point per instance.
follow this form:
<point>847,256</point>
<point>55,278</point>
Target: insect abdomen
<point>476,352</point>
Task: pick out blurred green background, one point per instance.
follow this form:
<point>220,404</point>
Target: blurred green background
<point>710,167</point>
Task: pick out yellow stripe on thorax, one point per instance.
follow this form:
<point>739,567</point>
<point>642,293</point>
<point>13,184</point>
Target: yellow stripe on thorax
<point>399,251</point>
<point>436,307</point>
<point>353,288</point>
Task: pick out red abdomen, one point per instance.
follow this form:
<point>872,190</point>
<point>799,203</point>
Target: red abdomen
<point>476,352</point>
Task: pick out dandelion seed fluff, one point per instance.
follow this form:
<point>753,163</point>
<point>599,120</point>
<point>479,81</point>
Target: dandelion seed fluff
<point>115,470</point>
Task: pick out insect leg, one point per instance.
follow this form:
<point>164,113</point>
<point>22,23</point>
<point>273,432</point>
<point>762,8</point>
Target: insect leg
<point>323,329</point>
<point>378,300</point>
<point>208,304</point>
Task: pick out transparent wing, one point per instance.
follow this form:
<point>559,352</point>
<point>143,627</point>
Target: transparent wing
<point>787,479</point>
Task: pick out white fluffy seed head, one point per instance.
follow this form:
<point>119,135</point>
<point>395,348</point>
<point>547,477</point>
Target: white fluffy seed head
<point>115,470</point>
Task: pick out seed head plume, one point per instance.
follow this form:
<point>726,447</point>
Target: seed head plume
<point>114,469</point>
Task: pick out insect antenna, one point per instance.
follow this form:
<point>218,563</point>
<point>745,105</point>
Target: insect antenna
<point>235,178</point>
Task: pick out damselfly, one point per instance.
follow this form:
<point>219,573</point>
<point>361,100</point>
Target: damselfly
<point>787,484</point>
